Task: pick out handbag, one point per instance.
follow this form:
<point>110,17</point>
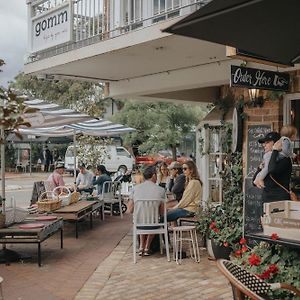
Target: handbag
<point>293,195</point>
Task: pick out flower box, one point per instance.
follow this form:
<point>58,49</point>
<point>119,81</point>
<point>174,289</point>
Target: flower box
<point>282,218</point>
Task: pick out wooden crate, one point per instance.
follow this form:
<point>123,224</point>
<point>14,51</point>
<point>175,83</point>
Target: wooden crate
<point>282,218</point>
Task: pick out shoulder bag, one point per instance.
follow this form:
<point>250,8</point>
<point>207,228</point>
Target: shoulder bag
<point>293,196</point>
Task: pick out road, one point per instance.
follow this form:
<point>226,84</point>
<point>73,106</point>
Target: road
<point>19,186</point>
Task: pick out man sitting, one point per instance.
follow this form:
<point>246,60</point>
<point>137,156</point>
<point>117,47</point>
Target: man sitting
<point>84,180</point>
<point>147,190</point>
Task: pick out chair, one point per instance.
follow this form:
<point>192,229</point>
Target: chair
<point>146,220</point>
<point>244,283</point>
<point>111,194</point>
<point>179,238</point>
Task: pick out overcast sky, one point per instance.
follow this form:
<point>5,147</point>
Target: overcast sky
<point>13,38</point>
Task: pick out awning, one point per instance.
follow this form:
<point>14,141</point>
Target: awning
<point>267,29</point>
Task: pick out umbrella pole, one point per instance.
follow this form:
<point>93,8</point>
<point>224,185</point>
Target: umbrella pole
<point>3,171</point>
<point>6,255</point>
<point>30,158</point>
<point>75,157</point>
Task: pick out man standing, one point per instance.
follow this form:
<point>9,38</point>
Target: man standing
<point>47,158</point>
<point>148,190</point>
<point>84,180</point>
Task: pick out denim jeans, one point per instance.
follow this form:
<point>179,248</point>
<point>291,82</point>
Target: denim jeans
<point>174,214</point>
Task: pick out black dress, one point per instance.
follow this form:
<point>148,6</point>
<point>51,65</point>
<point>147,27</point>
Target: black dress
<point>281,170</point>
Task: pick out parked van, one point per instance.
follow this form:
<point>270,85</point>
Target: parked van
<point>118,159</point>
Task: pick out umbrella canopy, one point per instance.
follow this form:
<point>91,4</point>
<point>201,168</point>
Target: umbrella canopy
<point>54,115</point>
<point>267,29</point>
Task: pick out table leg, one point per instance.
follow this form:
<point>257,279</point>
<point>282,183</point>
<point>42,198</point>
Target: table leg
<point>39,255</point>
<point>76,229</point>
<point>91,220</point>
<point>61,239</point>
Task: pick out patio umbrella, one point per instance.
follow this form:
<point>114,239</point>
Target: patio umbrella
<point>266,29</point>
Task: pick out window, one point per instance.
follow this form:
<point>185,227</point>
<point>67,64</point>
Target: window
<point>123,152</point>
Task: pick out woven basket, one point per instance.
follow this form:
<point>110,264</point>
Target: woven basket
<point>64,194</point>
<point>74,197</point>
<point>48,201</point>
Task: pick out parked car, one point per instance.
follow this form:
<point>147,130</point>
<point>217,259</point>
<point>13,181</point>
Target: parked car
<point>161,156</point>
<point>117,159</point>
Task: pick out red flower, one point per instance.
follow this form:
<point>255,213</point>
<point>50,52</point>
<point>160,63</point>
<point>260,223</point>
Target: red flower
<point>244,249</point>
<point>225,244</point>
<point>212,225</point>
<point>216,229</point>
<point>243,241</point>
<point>273,269</point>
<point>254,260</point>
<point>274,236</point>
<point>264,275</point>
<point>238,253</point>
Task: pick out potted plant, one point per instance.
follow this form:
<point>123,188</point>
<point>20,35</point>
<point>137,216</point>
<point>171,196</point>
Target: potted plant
<point>223,223</point>
<point>272,263</point>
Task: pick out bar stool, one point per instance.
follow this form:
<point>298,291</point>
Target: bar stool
<point>1,293</point>
<point>179,238</point>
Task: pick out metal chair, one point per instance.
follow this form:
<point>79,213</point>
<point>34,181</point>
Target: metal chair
<point>146,220</point>
<point>111,194</point>
<point>245,284</point>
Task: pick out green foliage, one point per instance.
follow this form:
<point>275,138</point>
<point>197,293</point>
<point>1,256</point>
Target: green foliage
<point>92,150</point>
<point>79,95</point>
<point>223,223</point>
<point>287,264</point>
<point>159,125</point>
<point>12,111</point>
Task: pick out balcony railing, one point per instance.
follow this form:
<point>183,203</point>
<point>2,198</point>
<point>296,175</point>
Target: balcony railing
<point>98,20</point>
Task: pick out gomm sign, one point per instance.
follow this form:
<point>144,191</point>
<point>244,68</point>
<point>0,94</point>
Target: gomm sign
<point>51,29</point>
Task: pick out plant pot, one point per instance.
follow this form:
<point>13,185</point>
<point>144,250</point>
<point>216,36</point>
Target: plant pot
<point>220,251</point>
<point>209,248</point>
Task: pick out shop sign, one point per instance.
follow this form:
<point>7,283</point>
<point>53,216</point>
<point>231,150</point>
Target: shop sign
<point>259,79</point>
<point>51,28</point>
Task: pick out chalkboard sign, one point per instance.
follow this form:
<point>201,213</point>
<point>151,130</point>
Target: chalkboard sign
<point>253,207</point>
<point>255,150</point>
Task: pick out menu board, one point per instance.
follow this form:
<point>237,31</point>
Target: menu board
<point>255,150</point>
<point>253,207</point>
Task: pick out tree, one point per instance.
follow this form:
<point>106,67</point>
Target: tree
<point>79,95</point>
<point>159,125</point>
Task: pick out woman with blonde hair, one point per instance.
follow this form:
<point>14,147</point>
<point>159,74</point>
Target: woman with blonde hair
<point>191,197</point>
<point>163,175</point>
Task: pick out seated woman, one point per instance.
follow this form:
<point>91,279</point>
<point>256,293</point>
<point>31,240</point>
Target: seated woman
<point>102,175</point>
<point>163,175</point>
<point>190,200</point>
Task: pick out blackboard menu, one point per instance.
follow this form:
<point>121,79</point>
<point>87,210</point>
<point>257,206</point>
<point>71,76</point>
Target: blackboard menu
<point>255,150</point>
<point>38,188</point>
<point>253,207</point>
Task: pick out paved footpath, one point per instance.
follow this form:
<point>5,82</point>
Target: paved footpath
<point>154,278</point>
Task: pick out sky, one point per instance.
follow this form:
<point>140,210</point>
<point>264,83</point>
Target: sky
<point>13,38</point>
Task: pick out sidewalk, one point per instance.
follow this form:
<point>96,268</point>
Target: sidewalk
<point>154,278</point>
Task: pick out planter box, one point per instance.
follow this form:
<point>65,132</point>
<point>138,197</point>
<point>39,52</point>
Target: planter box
<point>282,218</point>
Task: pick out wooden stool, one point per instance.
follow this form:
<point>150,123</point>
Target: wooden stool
<point>1,293</point>
<point>178,239</point>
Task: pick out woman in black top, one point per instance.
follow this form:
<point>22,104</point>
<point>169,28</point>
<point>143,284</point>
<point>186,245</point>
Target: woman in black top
<point>279,169</point>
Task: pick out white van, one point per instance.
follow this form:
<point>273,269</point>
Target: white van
<point>118,159</point>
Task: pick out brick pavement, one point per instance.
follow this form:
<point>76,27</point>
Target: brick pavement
<point>63,271</point>
<point>153,278</point>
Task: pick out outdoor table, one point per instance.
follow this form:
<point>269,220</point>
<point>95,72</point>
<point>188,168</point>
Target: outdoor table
<point>266,238</point>
<point>15,235</point>
<point>76,212</point>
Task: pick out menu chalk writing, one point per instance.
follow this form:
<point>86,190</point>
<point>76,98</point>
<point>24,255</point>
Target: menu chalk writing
<point>253,207</point>
<point>255,151</point>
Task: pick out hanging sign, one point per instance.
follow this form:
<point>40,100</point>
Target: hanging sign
<point>51,28</point>
<point>259,79</point>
